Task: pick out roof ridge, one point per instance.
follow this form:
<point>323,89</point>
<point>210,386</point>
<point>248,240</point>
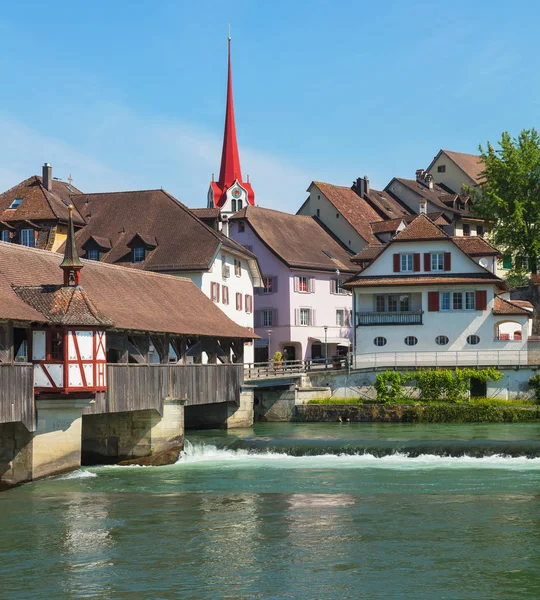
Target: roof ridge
<point>120,192</point>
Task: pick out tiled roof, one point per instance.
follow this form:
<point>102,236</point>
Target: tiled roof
<point>180,241</point>
<point>386,205</point>
<point>420,229</point>
<point>386,226</point>
<point>447,279</point>
<point>206,213</point>
<point>63,305</point>
<point>507,307</point>
<point>439,218</point>
<point>132,299</point>
<point>434,196</point>
<point>300,241</point>
<point>471,164</point>
<point>368,253</point>
<point>103,242</point>
<point>38,203</point>
<point>353,209</point>
<point>522,303</point>
<point>475,246</point>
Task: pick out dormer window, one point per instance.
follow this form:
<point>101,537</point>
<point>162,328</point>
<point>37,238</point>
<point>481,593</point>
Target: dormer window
<point>139,254</point>
<point>92,254</point>
<point>27,238</point>
<point>16,203</point>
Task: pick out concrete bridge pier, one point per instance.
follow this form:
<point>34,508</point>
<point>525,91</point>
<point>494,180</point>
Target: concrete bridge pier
<point>222,415</point>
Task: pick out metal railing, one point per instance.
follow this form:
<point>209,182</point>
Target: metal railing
<point>290,367</point>
<point>413,317</point>
<point>466,358</point>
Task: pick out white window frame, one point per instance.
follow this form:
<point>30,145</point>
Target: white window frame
<point>248,303</point>
<point>467,304</point>
<point>445,306</point>
<point>340,311</point>
<point>304,312</point>
<point>138,259</point>
<point>4,235</point>
<point>406,263</point>
<point>238,267</point>
<point>225,294</point>
<point>268,285</point>
<point>31,238</point>
<point>92,254</point>
<point>437,261</point>
<point>301,279</point>
<point>267,317</point>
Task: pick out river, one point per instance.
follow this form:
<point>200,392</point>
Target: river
<point>284,511</point>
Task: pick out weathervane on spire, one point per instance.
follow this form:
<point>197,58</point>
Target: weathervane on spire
<point>71,265</point>
<point>229,31</point>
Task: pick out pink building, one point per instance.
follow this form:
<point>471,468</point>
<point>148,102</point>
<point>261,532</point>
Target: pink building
<point>303,309</point>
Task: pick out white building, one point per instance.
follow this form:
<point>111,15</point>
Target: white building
<point>426,298</point>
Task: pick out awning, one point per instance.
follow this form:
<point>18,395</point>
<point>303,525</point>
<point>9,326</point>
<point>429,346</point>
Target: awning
<point>333,340</point>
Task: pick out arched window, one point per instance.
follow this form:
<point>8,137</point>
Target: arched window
<point>410,340</point>
<point>380,341</point>
<point>441,340</point>
<point>233,205</point>
<point>473,340</point>
<point>239,204</point>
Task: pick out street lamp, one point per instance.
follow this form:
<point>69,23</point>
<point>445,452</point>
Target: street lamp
<point>269,332</point>
<point>326,342</point>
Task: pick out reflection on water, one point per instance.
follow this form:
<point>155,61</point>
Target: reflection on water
<point>246,523</point>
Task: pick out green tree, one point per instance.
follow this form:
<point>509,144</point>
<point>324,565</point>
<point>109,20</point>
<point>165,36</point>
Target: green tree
<point>509,195</point>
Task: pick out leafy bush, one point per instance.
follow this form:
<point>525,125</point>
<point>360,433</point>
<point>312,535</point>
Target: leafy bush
<point>389,386</point>
<point>534,382</point>
<point>437,384</point>
<point>278,357</point>
<point>456,413</point>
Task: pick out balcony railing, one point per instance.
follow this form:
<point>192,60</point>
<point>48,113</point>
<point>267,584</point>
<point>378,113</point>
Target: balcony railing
<point>413,317</point>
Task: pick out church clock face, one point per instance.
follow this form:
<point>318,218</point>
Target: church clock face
<point>236,193</point>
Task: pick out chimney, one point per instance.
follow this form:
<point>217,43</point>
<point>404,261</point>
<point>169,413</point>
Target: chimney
<point>419,174</point>
<point>429,180</point>
<point>361,186</point>
<point>225,225</point>
<point>47,177</point>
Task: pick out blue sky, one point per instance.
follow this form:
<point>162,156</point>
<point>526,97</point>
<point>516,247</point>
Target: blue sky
<point>131,94</point>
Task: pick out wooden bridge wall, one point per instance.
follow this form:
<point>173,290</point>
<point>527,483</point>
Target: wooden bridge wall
<point>141,387</point>
<point>17,395</point>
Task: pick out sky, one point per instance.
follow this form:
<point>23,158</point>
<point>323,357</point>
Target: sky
<point>130,94</point>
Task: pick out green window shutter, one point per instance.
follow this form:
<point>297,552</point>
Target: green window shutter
<point>507,262</point>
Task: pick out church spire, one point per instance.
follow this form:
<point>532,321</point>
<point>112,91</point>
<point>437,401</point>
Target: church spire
<point>230,193</point>
<point>71,265</point>
<point>230,158</point>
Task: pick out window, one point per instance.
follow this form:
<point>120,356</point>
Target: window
<point>304,316</point>
<point>441,340</point>
<point>470,300</point>
<point>16,203</point>
<point>507,262</point>
<point>241,227</point>
<point>233,205</point>
<point>225,294</point>
<point>457,301</point>
<point>237,267</point>
<point>395,303</point>
<point>239,204</point>
<point>473,340</point>
<point>410,340</point>
<point>406,262</point>
<point>92,254</point>
<point>238,301</point>
<point>214,291</point>
<point>340,317</point>
<point>139,254</point>
<point>380,341</point>
<point>318,212</point>
<point>336,287</point>
<point>466,229</point>
<point>249,303</point>
<point>4,236</point>
<point>337,215</point>
<point>380,303</point>
<point>444,301</point>
<point>268,285</point>
<point>437,262</point>
<point>480,230</point>
<point>267,317</point>
<point>302,284</point>
<point>441,169</point>
<point>27,238</point>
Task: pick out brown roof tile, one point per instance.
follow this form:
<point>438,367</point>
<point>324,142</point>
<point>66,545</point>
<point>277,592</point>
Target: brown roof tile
<point>476,246</point>
<point>386,205</point>
<point>355,210</point>
<point>421,228</point>
<point>38,203</point>
<point>300,241</point>
<point>386,226</point>
<point>471,164</point>
<point>449,279</point>
<point>434,196</point>
<point>507,307</point>
<point>182,241</point>
<point>368,253</point>
<point>132,299</point>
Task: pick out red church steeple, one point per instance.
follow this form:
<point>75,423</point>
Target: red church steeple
<point>230,192</point>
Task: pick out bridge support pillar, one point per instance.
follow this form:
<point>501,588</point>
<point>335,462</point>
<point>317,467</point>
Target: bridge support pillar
<point>167,432</point>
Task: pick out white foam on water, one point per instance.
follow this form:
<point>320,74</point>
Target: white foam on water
<point>209,455</point>
<point>80,474</point>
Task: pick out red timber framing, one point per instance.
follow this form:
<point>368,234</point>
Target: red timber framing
<point>79,366</point>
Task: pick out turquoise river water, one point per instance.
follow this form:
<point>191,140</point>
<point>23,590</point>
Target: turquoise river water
<point>303,512</point>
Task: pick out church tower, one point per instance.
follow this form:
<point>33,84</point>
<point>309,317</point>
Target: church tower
<point>230,193</point>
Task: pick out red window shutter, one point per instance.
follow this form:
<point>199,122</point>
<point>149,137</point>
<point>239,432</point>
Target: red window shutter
<point>481,299</point>
<point>396,263</point>
<point>433,301</point>
<point>447,261</point>
<point>427,262</point>
<point>416,262</point>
